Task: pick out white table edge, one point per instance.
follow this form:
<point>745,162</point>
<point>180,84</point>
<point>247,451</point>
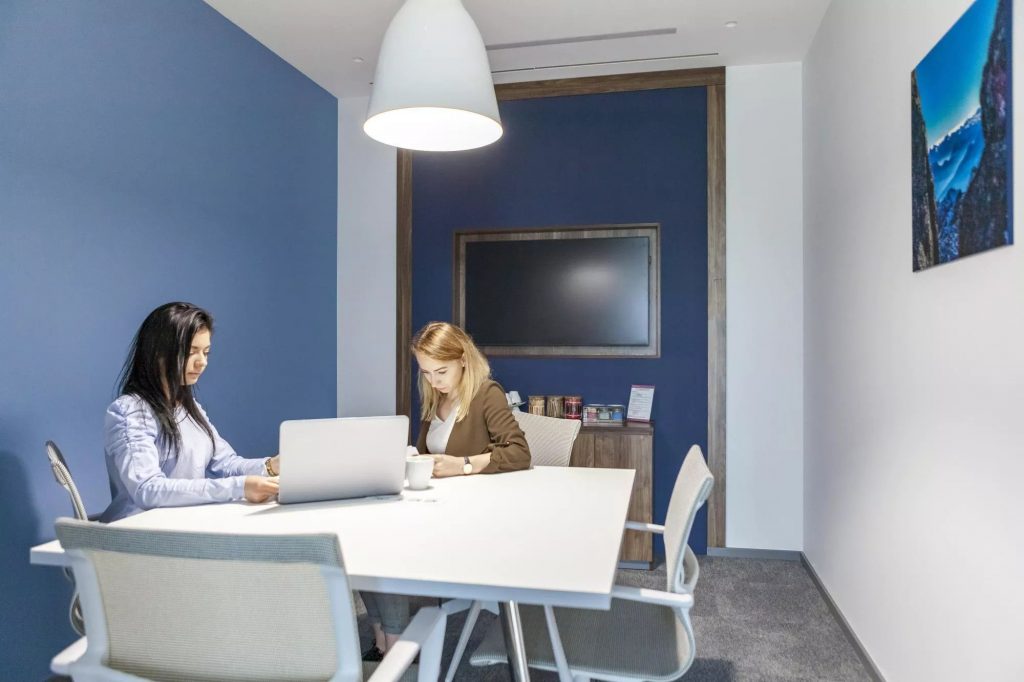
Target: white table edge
<point>52,554</point>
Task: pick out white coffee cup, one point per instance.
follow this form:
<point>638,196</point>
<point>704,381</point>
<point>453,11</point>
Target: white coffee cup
<point>418,470</point>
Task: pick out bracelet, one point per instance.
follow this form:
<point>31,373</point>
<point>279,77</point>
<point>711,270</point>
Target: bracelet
<point>266,465</point>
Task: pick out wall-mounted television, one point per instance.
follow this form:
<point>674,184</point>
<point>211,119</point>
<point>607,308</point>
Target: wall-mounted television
<point>579,291</point>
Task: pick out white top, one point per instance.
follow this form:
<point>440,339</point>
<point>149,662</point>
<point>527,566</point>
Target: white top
<point>145,472</point>
<point>549,535</point>
<point>439,431</point>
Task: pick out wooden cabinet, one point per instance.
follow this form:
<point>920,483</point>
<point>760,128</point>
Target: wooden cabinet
<point>624,447</point>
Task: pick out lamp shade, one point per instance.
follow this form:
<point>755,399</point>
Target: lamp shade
<point>433,89</point>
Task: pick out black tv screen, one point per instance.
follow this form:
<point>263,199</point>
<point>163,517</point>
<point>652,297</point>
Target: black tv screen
<point>560,292</point>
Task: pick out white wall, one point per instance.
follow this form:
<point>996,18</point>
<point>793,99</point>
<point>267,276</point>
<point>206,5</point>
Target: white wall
<point>764,307</point>
<point>366,267</point>
<point>914,382</point>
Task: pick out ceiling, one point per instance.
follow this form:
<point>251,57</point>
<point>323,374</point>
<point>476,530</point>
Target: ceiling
<point>324,38</point>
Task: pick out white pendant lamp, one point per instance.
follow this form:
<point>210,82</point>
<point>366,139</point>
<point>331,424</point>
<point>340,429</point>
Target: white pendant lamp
<point>433,89</point>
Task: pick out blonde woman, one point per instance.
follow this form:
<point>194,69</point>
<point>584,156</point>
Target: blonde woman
<point>466,425</point>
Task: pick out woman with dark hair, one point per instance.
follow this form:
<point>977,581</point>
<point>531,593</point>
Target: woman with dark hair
<point>161,449</point>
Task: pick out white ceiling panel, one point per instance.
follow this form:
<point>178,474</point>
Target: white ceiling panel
<point>325,38</point>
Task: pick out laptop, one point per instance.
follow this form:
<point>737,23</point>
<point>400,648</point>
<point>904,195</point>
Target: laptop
<point>336,459</point>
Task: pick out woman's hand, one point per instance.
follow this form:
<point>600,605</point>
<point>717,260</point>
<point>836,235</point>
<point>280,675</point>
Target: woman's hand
<point>259,489</point>
<point>446,465</point>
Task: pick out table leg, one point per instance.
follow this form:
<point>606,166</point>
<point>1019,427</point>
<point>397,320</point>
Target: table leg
<point>512,626</point>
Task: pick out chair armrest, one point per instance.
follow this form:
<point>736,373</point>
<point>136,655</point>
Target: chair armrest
<point>62,662</point>
<point>675,600</point>
<point>425,633</point>
<point>644,527</point>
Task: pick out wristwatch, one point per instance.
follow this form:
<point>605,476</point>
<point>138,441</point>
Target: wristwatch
<point>467,468</point>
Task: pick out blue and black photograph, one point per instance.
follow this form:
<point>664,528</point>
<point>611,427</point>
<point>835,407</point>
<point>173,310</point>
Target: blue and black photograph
<point>962,139</point>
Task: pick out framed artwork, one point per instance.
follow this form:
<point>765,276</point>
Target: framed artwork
<point>962,139</point>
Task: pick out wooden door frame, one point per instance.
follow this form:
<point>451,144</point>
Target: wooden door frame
<point>713,80</point>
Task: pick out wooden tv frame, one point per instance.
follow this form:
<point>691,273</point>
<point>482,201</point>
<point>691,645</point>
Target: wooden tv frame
<point>649,230</point>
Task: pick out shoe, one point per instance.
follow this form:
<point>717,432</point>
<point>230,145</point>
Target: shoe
<point>373,655</point>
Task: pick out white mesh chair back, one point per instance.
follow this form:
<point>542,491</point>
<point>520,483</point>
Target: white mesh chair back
<point>63,475</point>
<point>642,636</point>
<point>691,490</point>
<point>550,439</point>
<point>214,607</point>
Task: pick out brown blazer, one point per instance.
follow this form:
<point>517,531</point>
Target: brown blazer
<point>487,427</point>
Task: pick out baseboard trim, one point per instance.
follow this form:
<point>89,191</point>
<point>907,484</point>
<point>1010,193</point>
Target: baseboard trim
<point>865,658</point>
<point>636,565</point>
<point>748,553</point>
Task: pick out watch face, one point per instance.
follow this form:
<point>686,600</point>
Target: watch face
<point>467,468</point>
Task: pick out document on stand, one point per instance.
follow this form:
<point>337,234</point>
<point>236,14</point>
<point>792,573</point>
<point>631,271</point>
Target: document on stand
<point>640,400</point>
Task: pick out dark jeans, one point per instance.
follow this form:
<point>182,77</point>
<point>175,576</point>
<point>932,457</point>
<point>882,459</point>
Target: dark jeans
<point>390,610</point>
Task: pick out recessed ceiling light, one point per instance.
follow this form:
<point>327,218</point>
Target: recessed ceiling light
<point>732,24</point>
<point>358,60</point>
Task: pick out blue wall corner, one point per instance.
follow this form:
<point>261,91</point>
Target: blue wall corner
<point>631,157</point>
<point>149,151</point>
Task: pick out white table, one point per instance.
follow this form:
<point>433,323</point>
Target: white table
<point>550,535</point>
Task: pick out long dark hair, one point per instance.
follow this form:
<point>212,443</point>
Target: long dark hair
<point>155,366</point>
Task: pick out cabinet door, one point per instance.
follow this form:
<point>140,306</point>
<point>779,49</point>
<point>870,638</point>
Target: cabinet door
<point>622,451</point>
<point>618,450</point>
<point>583,451</point>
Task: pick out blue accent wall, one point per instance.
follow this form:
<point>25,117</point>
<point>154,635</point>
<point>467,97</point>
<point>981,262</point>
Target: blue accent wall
<point>633,157</point>
<point>149,151</point>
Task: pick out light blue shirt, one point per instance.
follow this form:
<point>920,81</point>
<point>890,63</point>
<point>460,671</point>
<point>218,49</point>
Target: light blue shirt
<point>146,472</point>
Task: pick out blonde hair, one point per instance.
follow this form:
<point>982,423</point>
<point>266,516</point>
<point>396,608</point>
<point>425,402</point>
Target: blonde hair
<point>446,342</point>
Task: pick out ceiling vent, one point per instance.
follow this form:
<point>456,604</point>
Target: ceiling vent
<point>604,63</point>
<point>584,39</point>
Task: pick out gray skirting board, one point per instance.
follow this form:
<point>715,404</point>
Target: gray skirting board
<point>854,641</point>
<point>744,553</point>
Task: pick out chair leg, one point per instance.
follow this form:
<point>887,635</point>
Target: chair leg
<point>564,674</point>
<point>453,606</point>
<point>460,648</point>
<point>430,653</point>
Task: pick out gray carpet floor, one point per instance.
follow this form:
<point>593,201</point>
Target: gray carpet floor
<point>753,619</point>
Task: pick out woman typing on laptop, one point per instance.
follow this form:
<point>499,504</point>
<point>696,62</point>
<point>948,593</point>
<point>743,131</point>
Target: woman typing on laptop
<point>468,428</point>
<point>161,449</point>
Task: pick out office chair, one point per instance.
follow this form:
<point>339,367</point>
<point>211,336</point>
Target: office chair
<point>647,634</point>
<point>550,439</point>
<point>212,607</point>
<point>62,473</point>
